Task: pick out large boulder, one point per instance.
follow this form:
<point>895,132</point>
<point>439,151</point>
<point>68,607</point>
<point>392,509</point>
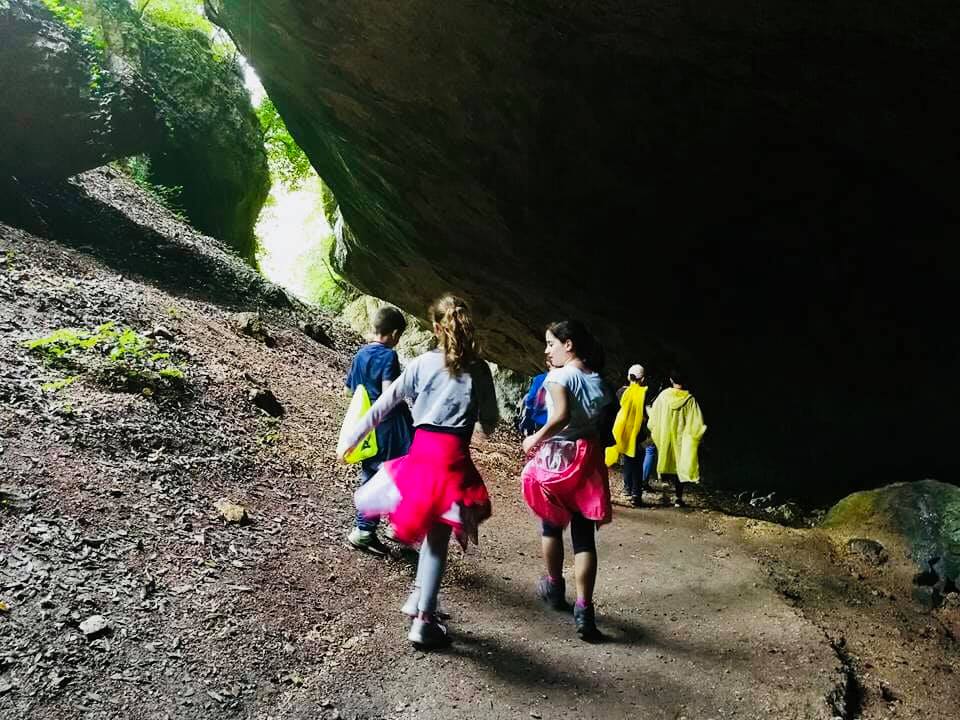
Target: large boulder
<point>65,107</point>
<point>214,148</point>
<point>916,523</point>
<point>762,192</point>
<point>99,81</point>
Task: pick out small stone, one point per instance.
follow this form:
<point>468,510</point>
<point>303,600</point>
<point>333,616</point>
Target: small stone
<point>887,692</point>
<point>535,714</point>
<point>870,550</point>
<point>159,331</point>
<point>315,331</point>
<point>231,512</point>
<point>95,626</point>
<point>250,324</point>
<point>352,642</point>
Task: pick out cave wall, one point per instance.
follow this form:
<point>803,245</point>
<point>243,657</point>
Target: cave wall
<point>762,194</point>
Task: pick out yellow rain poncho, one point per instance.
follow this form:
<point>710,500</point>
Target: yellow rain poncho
<point>676,425</point>
<point>627,425</point>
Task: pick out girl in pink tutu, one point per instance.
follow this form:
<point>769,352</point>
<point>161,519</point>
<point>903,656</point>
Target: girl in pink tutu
<point>435,489</point>
<point>565,482</point>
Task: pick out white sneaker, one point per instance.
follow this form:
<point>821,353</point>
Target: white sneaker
<point>428,634</point>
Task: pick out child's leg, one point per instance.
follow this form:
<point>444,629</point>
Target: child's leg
<point>585,557</point>
<point>678,488</point>
<point>368,468</point>
<point>630,478</point>
<point>552,545</point>
<point>649,463</point>
<point>433,561</point>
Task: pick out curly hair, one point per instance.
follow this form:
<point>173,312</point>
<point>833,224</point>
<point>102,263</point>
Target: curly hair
<point>458,337</point>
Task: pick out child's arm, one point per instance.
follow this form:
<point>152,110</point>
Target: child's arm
<point>556,421</point>
<point>487,411</point>
<point>392,397</point>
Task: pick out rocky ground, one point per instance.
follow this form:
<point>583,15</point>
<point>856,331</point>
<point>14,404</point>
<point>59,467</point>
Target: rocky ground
<point>129,590</point>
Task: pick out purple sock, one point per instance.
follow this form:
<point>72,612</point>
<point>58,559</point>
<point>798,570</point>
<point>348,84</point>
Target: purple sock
<point>581,603</point>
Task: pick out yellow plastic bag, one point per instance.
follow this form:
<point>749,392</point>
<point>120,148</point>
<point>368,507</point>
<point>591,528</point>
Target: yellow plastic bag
<point>359,406</point>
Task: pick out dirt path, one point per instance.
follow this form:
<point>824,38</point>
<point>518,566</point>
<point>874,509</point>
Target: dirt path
<point>693,630</point>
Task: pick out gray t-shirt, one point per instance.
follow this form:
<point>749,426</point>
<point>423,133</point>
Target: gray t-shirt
<point>442,400</point>
<point>589,396</point>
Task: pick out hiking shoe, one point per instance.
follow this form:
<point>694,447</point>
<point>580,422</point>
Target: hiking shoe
<point>411,606</point>
<point>679,504</point>
<point>367,541</point>
<point>637,501</point>
<point>586,624</point>
<point>553,594</point>
<point>428,634</point>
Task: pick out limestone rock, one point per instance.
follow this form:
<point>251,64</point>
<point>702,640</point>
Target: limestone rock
<point>65,110</point>
<point>703,188</point>
<point>231,512</point>
<point>95,626</point>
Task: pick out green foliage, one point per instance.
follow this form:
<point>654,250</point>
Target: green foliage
<point>329,202</point>
<point>137,168</point>
<point>59,384</point>
<point>182,14</point>
<point>71,14</point>
<point>269,434</point>
<point>120,358</point>
<point>288,163</point>
<point>324,287</point>
<point>68,13</point>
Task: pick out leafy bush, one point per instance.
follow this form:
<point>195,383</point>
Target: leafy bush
<point>288,163</point>
<point>120,358</point>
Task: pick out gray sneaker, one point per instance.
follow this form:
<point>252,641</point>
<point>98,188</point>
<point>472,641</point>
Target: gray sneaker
<point>585,621</point>
<point>367,541</point>
<point>411,608</point>
<point>428,634</point>
<point>553,594</point>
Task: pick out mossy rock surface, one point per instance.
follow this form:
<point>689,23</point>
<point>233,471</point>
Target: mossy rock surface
<point>922,517</point>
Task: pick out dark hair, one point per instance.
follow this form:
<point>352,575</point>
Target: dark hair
<point>585,345</point>
<point>677,376</point>
<point>388,319</point>
<point>458,336</point>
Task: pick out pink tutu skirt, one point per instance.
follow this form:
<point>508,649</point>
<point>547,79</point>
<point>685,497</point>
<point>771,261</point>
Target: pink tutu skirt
<point>435,482</point>
<point>565,477</point>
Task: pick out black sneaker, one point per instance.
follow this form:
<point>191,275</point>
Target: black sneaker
<point>637,501</point>
<point>553,594</point>
<point>586,624</point>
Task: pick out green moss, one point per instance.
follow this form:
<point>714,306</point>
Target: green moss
<point>119,358</point>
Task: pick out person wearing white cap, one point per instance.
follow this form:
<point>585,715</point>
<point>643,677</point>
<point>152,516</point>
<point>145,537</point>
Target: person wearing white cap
<point>640,454</point>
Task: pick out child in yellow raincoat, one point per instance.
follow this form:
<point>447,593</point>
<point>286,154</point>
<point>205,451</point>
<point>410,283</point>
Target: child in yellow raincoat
<point>676,425</point>
<point>632,438</point>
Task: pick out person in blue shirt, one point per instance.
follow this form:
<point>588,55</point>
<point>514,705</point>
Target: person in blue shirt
<point>376,366</point>
<point>533,416</point>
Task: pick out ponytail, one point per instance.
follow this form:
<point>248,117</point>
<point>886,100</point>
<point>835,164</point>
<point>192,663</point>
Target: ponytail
<point>457,334</point>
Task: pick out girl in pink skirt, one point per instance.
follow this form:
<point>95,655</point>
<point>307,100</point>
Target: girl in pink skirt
<point>565,482</point>
<point>435,489</point>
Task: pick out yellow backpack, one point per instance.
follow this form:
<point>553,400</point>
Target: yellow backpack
<point>359,406</point>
